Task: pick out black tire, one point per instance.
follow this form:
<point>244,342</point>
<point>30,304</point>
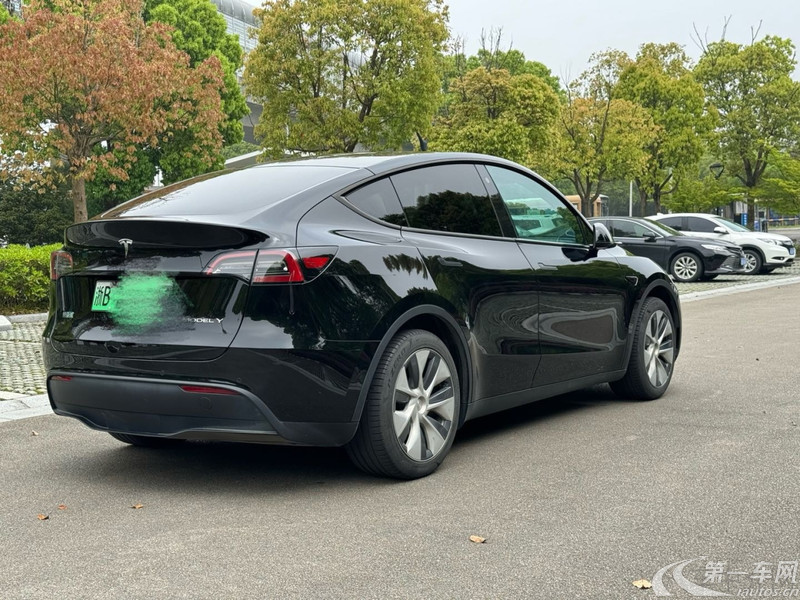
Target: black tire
<point>377,447</point>
<point>145,441</point>
<point>637,384</point>
<point>686,267</point>
<point>754,261</point>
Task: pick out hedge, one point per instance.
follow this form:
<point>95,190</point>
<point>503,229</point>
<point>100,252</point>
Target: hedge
<point>24,278</point>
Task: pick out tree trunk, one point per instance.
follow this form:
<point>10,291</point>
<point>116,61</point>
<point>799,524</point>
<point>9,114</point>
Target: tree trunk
<point>642,202</point>
<point>79,199</point>
<point>586,207</point>
<point>657,200</point>
<point>751,210</point>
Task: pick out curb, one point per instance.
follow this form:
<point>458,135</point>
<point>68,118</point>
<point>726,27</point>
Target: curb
<point>735,289</point>
<point>24,408</point>
<point>33,318</point>
<point>5,324</point>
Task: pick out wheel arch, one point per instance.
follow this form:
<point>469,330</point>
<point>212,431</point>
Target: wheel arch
<point>442,324</point>
<point>661,289</point>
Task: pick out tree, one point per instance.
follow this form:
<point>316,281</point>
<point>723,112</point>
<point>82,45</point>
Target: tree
<point>491,56</point>
<point>86,81</point>
<point>751,90</point>
<point>29,216</point>
<point>601,137</point>
<point>200,30</point>
<point>660,81</point>
<point>497,113</point>
<point>780,186</point>
<point>333,74</point>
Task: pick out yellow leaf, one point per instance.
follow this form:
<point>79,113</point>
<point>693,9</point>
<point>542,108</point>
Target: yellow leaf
<point>137,506</point>
<point>42,517</point>
<point>643,584</point>
<point>477,539</point>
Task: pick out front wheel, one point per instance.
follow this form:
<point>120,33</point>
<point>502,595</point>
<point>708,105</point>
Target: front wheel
<point>653,354</point>
<point>412,408</point>
<point>753,263</point>
<point>686,267</point>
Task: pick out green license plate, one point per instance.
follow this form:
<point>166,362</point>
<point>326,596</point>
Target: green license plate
<point>103,300</point>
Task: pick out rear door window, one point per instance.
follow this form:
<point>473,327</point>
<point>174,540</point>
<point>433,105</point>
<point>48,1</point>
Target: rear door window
<point>699,224</point>
<point>630,229</point>
<point>449,198</point>
<point>674,222</point>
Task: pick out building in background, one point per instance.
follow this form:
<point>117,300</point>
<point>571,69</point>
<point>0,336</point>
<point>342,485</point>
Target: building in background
<point>12,6</point>
<point>241,22</point>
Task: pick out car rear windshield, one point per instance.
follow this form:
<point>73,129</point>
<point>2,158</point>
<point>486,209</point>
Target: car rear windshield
<point>228,192</point>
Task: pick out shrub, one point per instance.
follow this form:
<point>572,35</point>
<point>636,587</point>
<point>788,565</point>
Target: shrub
<point>24,278</point>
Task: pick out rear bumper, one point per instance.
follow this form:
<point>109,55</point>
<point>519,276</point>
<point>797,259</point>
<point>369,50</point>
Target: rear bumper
<point>162,408</point>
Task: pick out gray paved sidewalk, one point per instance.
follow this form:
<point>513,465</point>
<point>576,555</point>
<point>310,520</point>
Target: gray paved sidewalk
<point>22,376</point>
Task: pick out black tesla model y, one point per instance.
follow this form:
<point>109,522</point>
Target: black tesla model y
<point>372,302</point>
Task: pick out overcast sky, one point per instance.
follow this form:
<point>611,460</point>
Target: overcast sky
<point>564,33</point>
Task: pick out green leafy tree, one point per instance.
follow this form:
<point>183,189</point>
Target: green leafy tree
<point>105,191</point>
<point>492,111</point>
<point>333,74</point>
<point>34,216</point>
<point>83,79</point>
<point>200,30</point>
<point>601,137</point>
<point>660,81</point>
<point>750,88</point>
<point>780,186</point>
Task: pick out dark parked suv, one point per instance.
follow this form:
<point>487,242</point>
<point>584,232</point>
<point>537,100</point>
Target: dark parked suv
<point>684,257</point>
<point>376,302</point>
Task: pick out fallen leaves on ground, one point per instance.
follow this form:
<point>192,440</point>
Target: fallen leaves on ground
<point>137,506</point>
<point>42,517</point>
<point>62,507</point>
<point>477,539</point>
<point>34,433</point>
<point>643,584</point>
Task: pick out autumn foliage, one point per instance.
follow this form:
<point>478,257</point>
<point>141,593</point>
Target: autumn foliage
<point>80,78</point>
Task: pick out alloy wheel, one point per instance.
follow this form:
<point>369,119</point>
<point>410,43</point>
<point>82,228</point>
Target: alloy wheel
<point>685,268</point>
<point>659,350</point>
<point>424,405</point>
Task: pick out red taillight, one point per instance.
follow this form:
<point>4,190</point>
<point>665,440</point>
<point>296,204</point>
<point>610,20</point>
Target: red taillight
<point>232,263</point>
<point>274,265</point>
<point>60,264</point>
<point>61,378</point>
<point>277,266</point>
<point>207,389</point>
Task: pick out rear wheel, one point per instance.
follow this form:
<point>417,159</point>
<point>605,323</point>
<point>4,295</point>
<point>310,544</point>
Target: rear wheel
<point>145,440</point>
<point>686,267</point>
<point>409,419</point>
<point>653,354</point>
<point>754,262</point>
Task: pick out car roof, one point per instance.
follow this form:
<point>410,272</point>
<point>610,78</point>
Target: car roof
<point>242,196</point>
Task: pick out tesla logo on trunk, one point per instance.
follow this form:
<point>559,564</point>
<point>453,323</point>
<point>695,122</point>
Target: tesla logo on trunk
<point>126,244</point>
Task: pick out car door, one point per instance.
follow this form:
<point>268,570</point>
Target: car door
<point>582,292</point>
<point>640,240</point>
<point>483,275</point>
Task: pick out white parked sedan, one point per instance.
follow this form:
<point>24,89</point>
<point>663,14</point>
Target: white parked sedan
<point>764,252</point>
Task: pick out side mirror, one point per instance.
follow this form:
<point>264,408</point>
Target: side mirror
<point>719,229</point>
<point>603,237</point>
<point>650,238</point>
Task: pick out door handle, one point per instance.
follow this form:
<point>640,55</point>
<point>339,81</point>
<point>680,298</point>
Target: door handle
<point>449,262</point>
<point>545,267</point>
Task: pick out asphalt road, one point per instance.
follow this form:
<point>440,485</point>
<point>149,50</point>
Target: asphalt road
<point>577,496</point>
